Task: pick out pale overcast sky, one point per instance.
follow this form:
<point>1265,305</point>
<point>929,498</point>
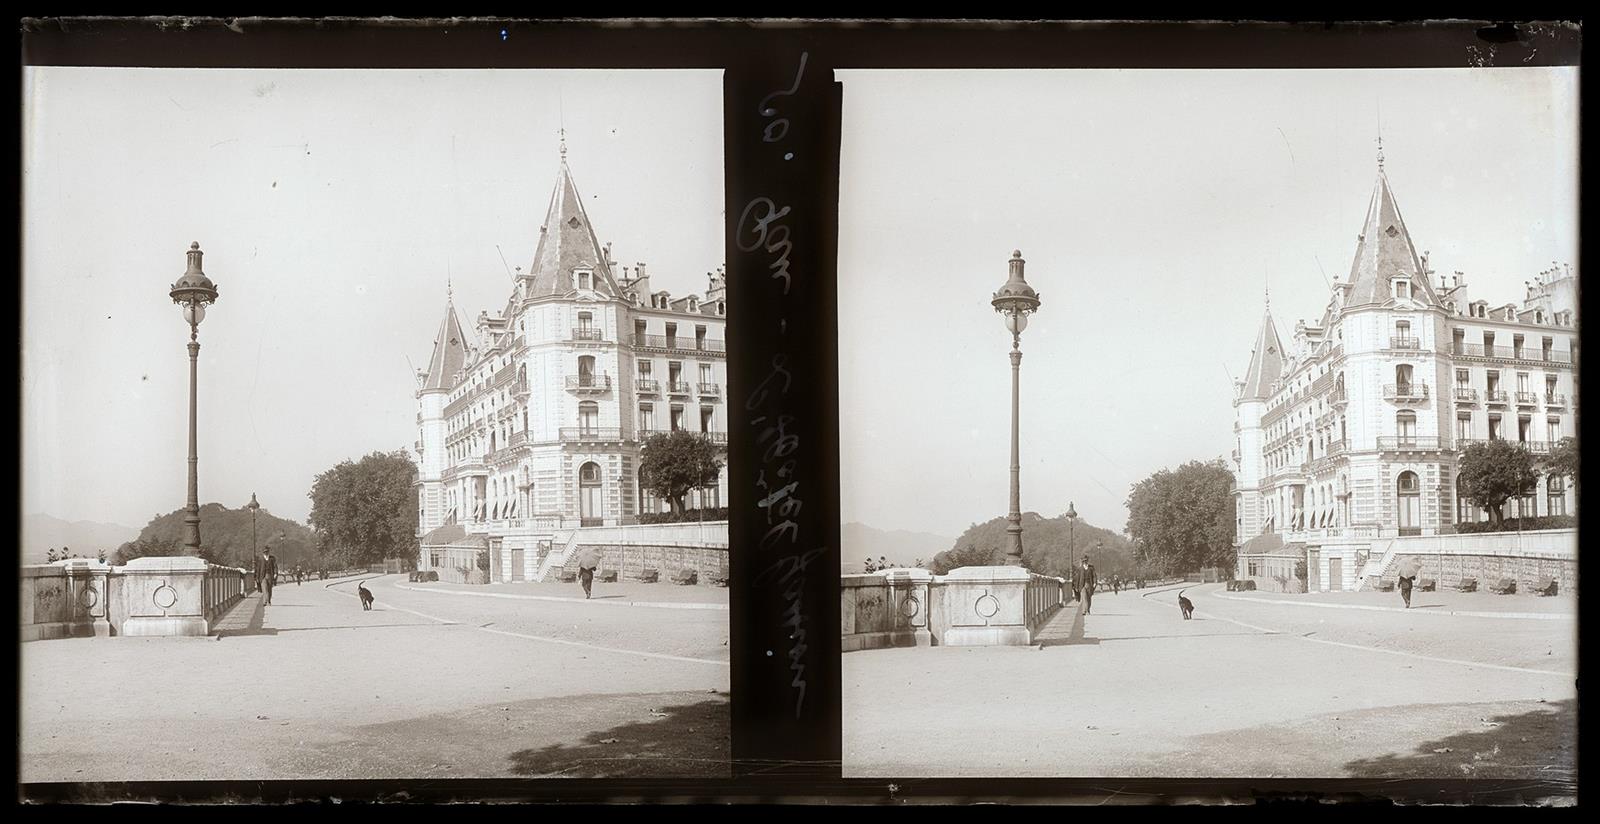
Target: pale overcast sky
<point>331,206</point>
<point>1152,207</point>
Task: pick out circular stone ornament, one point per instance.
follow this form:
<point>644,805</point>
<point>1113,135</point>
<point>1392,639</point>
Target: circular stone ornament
<point>910,605</point>
<point>987,605</point>
<point>165,596</point>
<point>89,597</point>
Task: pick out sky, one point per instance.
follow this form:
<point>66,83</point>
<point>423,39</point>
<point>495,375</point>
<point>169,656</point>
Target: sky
<point>332,206</point>
<point>1154,210</point>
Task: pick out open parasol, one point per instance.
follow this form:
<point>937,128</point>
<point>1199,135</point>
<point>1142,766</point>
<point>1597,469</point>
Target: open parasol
<point>1409,567</point>
<point>589,558</point>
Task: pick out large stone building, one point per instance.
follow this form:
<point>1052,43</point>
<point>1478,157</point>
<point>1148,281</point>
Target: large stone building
<point>1351,432</point>
<point>531,424</point>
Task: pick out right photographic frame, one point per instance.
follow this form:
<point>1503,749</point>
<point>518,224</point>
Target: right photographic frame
<point>1209,423</point>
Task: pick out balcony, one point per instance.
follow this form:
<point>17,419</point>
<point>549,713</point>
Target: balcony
<point>676,344</point>
<point>647,386</point>
<point>1338,397</point>
<point>1404,343</point>
<point>1537,447</point>
<point>1555,401</point>
<point>711,390</point>
<point>1495,397</point>
<point>1527,399</point>
<point>519,389</point>
<point>588,384</point>
<point>645,434</point>
<point>1336,448</point>
<point>587,333</point>
<point>1475,350</point>
<point>1466,394</point>
<point>1407,443</point>
<point>590,434</point>
<point>677,388</point>
<point>716,437</point>
<point>1405,392</point>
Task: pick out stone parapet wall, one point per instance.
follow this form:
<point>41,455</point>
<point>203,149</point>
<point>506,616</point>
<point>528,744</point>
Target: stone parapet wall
<point>147,596</point>
<point>970,606</point>
<point>629,561</point>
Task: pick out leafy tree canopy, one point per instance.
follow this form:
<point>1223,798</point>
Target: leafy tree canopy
<point>672,463</point>
<point>1049,546</point>
<point>1493,472</point>
<point>1182,520</point>
<point>225,538</point>
<point>366,511</point>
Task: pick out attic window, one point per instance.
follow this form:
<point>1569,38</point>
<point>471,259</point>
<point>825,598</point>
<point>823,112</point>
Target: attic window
<point>1402,286</point>
<point>1391,231</point>
<point>585,280</point>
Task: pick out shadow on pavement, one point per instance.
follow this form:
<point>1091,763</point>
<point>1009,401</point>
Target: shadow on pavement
<point>1532,745</point>
<point>690,740</point>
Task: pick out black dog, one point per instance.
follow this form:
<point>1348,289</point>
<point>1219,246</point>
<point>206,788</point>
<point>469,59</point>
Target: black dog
<point>1186,606</point>
<point>366,595</point>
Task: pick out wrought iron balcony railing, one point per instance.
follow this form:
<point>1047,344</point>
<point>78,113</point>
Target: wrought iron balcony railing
<point>677,387</point>
<point>1466,394</point>
<point>1527,399</point>
<point>1405,392</point>
<point>1478,350</point>
<point>676,343</point>
<point>646,386</point>
<point>589,383</point>
<point>1404,343</point>
<point>591,433</point>
<point>710,389</point>
<point>587,333</point>
<point>1494,396</point>
<point>1409,443</point>
<point>1555,401</point>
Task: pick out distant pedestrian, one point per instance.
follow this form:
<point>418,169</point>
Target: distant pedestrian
<point>1116,584</point>
<point>869,566</point>
<point>883,563</point>
<point>269,571</point>
<point>1088,583</point>
<point>588,562</point>
<point>1405,589</point>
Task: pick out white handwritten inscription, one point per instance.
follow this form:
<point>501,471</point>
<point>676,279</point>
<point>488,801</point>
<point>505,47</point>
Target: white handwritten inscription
<point>760,230</point>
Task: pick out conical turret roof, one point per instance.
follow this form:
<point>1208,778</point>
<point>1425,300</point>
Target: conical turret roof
<point>1385,251</point>
<point>1266,360</point>
<point>567,242</point>
<point>449,352</point>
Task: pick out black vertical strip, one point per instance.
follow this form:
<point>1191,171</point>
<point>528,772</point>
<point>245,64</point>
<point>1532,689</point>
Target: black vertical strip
<point>782,154</point>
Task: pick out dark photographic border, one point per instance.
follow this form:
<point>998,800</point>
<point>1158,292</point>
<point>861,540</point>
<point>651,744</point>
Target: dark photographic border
<point>781,141</point>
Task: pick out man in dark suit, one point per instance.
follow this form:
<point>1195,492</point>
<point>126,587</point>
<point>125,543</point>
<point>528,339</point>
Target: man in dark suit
<point>1087,582</point>
<point>269,571</point>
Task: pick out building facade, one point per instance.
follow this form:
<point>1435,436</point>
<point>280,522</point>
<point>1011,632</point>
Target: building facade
<point>1351,433</point>
<point>532,424</point>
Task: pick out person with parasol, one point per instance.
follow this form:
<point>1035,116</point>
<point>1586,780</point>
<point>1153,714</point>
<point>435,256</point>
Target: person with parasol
<point>588,562</point>
<point>1409,568</point>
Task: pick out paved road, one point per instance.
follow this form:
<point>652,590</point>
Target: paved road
<point>1246,689</point>
<point>423,685</point>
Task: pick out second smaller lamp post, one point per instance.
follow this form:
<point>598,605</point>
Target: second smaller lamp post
<point>1015,301</point>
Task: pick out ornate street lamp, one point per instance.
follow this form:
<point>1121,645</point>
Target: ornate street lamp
<point>193,293</point>
<point>1015,301</point>
<point>1072,538</point>
<point>254,508</point>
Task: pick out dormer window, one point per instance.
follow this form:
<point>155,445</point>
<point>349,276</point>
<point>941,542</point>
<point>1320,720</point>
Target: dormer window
<point>1402,288</point>
<point>585,279</point>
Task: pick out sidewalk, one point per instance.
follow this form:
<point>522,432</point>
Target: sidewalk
<point>1442,602</point>
<point>623,593</point>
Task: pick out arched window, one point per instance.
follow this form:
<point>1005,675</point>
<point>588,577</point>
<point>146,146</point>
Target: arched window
<point>1405,427</point>
<point>1408,503</point>
<point>589,488</point>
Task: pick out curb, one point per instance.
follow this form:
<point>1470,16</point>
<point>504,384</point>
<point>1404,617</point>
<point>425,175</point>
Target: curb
<point>653,604</point>
<point>1528,616</point>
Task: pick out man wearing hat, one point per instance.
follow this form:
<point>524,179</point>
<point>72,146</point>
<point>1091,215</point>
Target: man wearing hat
<point>269,571</point>
<point>1087,582</point>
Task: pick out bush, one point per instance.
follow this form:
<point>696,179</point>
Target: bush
<point>1511,524</point>
<point>718,514</point>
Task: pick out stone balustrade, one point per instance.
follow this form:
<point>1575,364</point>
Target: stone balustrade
<point>146,597</point>
<point>971,606</point>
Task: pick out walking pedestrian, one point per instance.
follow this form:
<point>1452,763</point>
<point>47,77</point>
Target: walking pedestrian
<point>1088,586</point>
<point>269,571</point>
<point>588,562</point>
<point>1405,589</point>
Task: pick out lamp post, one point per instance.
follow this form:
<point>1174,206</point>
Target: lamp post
<point>193,292</point>
<point>1072,535</point>
<point>1015,301</point>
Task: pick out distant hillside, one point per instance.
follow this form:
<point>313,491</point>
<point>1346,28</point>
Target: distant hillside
<point>1047,544</point>
<point>225,537</point>
<point>42,533</point>
<point>901,547</point>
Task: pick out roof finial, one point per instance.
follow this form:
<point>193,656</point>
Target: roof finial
<point>1380,152</point>
<point>449,290</point>
<point>563,133</point>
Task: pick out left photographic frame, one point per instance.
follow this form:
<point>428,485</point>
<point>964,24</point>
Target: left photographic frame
<point>445,473</point>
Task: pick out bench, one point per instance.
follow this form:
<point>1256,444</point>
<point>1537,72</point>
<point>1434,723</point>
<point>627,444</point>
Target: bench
<point>568,576</point>
<point>684,577</point>
<point>649,575</point>
<point>1467,585</point>
<point>1427,584</point>
<point>1546,586</point>
<point>1504,586</point>
<point>608,576</point>
<point>720,581</point>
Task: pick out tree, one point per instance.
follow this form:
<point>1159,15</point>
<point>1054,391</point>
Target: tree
<point>1183,519</point>
<point>673,463</point>
<point>965,556</point>
<point>1563,461</point>
<point>1493,472</point>
<point>366,511</point>
<point>147,544</point>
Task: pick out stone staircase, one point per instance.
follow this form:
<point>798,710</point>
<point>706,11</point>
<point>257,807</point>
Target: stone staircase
<point>1378,567</point>
<point>556,558</point>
